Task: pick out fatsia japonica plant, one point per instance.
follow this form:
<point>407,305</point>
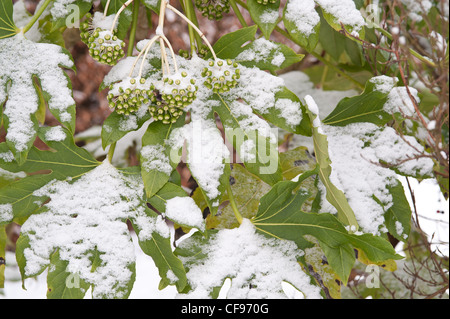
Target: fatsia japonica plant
<point>293,183</point>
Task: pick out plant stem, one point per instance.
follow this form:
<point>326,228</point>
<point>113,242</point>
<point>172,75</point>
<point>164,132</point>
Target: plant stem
<point>188,9</point>
<point>123,7</point>
<point>200,33</point>
<point>238,13</point>
<point>111,151</point>
<point>236,212</point>
<point>36,16</point>
<point>132,38</point>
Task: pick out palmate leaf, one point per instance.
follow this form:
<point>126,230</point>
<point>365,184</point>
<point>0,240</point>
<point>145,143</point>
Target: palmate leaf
<point>279,216</point>
<point>7,26</point>
<point>66,161</point>
<point>24,63</point>
<point>85,221</point>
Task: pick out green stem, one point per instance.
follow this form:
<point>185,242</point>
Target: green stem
<point>236,212</point>
<point>189,11</point>
<point>238,13</point>
<point>36,16</point>
<point>132,38</point>
<point>111,151</point>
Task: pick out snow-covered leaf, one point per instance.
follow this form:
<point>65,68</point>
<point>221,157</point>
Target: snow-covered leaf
<point>265,16</point>
<point>23,63</point>
<point>86,221</point>
<point>334,195</point>
<point>302,22</point>
<point>64,161</point>
<point>256,265</point>
<point>267,55</point>
<point>156,155</point>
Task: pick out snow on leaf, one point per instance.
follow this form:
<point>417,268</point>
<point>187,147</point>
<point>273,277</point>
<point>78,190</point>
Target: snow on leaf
<point>85,220</point>
<point>256,265</point>
<point>22,64</point>
<point>366,183</point>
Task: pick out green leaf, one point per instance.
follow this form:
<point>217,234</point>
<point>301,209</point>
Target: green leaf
<point>230,45</point>
<point>66,160</point>
<point>7,26</point>
<point>26,62</point>
<point>156,167</point>
<point>307,41</point>
<point>62,21</point>
<point>265,16</point>
<point>153,5</point>
<point>262,159</point>
<point>160,249</point>
<point>62,284</point>
<point>117,126</point>
<point>279,216</point>
<point>398,215</point>
<point>367,107</point>
<point>168,191</point>
<point>247,190</point>
<point>334,195</point>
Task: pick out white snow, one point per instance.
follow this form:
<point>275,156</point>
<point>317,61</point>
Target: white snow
<point>20,59</point>
<point>56,133</point>
<point>89,214</point>
<point>154,158</point>
<point>344,11</point>
<point>248,259</point>
<point>399,101</point>
<point>6,213</point>
<point>184,211</point>
<point>303,15</point>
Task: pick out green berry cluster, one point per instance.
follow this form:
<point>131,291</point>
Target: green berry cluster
<point>176,94</point>
<point>213,9</point>
<point>266,2</point>
<point>103,45</point>
<point>202,51</point>
<point>132,97</point>
<point>221,76</point>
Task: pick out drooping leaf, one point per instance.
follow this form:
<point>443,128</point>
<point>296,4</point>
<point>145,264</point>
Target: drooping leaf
<point>256,146</point>
<point>27,60</point>
<point>334,195</point>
